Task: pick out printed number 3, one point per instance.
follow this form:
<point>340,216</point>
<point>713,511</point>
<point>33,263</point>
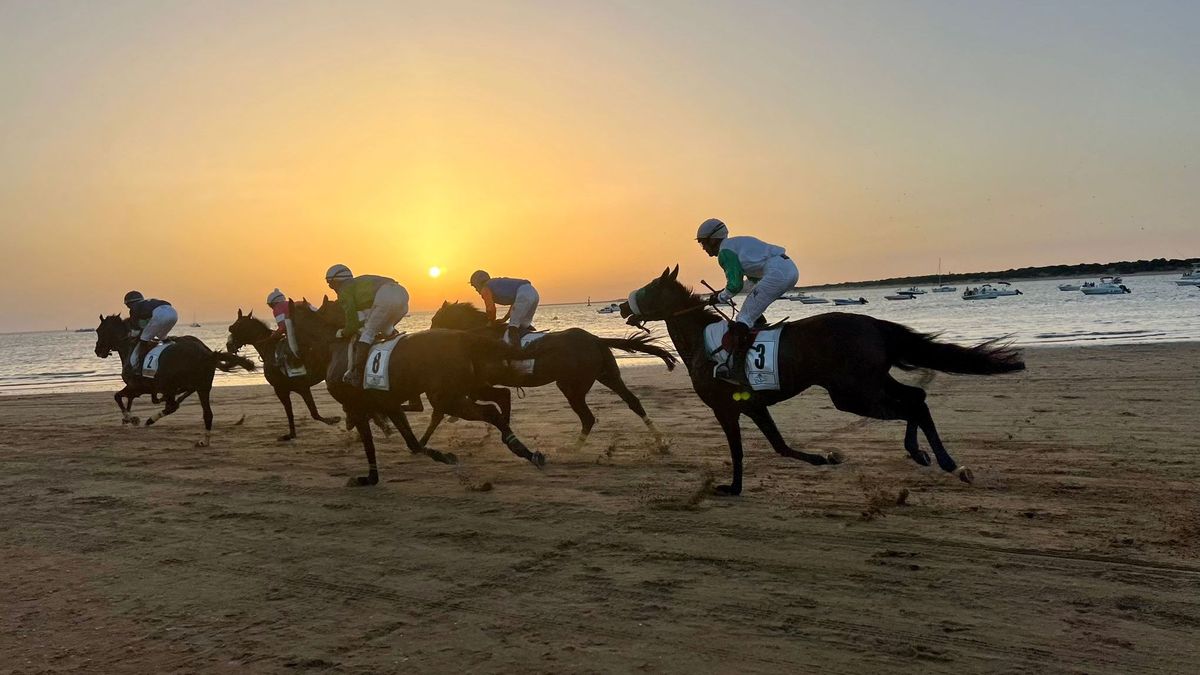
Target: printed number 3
<point>375,362</point>
<point>760,360</point>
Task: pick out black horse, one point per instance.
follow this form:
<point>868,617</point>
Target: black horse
<point>850,355</point>
<point>446,366</point>
<point>247,330</point>
<point>187,366</point>
<point>573,359</point>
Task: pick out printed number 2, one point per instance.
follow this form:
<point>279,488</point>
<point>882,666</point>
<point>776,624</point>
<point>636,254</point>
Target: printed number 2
<point>375,362</point>
<point>760,359</point>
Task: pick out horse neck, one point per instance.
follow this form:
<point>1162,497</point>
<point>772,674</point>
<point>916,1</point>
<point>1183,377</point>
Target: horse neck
<point>687,333</point>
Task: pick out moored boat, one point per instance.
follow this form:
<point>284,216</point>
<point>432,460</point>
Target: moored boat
<point>1106,286</point>
<point>849,301</point>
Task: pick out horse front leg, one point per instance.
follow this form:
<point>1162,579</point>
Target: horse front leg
<point>728,417</point>
<point>125,408</point>
<point>285,397</point>
<point>766,423</point>
<point>362,423</point>
<point>306,394</point>
<point>417,447</point>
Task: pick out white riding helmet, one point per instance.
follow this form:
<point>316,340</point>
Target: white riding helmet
<point>339,273</point>
<point>712,229</point>
<point>276,296</point>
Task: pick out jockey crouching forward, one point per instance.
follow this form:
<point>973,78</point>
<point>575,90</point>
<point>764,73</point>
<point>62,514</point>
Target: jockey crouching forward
<point>282,312</point>
<point>520,295</point>
<point>373,306</point>
<point>153,318</point>
<point>766,265</point>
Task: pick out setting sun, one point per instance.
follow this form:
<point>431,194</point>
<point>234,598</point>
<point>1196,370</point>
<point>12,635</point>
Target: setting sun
<point>435,272</point>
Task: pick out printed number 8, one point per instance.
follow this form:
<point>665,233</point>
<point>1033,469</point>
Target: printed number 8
<point>375,362</point>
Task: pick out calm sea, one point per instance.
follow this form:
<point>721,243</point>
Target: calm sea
<point>1156,311</point>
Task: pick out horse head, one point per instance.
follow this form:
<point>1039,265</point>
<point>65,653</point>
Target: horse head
<point>109,334</point>
<point>657,300</point>
<point>459,316</point>
<point>245,330</point>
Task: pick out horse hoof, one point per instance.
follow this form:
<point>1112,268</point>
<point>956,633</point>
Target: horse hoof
<point>921,457</point>
<point>363,481</point>
<point>727,491</point>
<point>450,457</point>
<point>834,457</point>
<point>964,474</point>
<point>149,421</point>
<point>134,421</point>
<point>537,459</point>
<point>286,437</point>
<point>332,420</point>
<point>201,444</point>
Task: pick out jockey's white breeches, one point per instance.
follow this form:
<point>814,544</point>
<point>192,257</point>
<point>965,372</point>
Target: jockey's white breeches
<point>525,303</point>
<point>780,276</point>
<point>391,305</point>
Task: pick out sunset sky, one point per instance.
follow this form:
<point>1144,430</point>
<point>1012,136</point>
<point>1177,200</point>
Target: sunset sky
<point>207,152</point>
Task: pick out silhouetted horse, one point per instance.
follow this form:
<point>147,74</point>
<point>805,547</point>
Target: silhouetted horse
<point>573,359</point>
<point>446,366</point>
<point>850,355</point>
<point>247,330</point>
<point>187,366</point>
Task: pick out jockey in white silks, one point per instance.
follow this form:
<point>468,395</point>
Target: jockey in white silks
<point>520,296</point>
<point>153,318</point>
<point>767,266</point>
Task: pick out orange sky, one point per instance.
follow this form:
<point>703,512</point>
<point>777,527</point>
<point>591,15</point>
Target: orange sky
<point>208,152</point>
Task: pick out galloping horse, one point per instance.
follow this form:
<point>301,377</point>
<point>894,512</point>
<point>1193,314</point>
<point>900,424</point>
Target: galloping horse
<point>446,366</point>
<point>187,366</point>
<point>573,359</point>
<point>850,355</point>
<point>247,330</point>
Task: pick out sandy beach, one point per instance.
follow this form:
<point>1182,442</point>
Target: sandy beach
<point>1077,550</point>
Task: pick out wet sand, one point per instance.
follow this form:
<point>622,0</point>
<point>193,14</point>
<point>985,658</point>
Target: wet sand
<point>1077,550</point>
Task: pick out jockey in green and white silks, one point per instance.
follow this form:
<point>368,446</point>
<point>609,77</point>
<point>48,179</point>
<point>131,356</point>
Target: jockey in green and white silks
<point>769,269</point>
<point>373,306</point>
<point>153,319</point>
<point>520,296</point>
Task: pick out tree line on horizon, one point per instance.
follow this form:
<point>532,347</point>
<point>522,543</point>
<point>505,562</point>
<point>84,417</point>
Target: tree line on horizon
<point>1123,267</point>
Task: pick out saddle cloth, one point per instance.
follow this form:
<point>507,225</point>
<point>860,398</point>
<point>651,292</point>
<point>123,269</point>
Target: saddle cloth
<point>762,361</point>
<point>290,364</point>
<point>150,363</point>
<point>525,367</point>
<point>375,375</point>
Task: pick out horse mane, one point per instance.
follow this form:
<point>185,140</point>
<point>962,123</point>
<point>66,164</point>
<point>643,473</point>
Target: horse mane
<point>697,300</point>
<point>466,310</point>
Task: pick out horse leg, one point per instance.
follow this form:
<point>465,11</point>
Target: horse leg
<point>465,408</point>
<point>170,406</point>
<point>362,422</point>
<point>576,393</point>
<point>413,405</point>
<point>434,420</point>
<point>285,397</point>
<point>611,378</point>
<point>306,394</point>
<point>729,417</point>
<point>912,400</point>
<point>417,447</point>
<point>766,423</point>
<point>206,406</point>
<point>124,393</point>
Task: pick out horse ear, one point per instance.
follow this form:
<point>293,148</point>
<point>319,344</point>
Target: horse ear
<point>325,299</point>
<point>101,318</point>
<point>675,273</point>
<point>250,315</point>
<point>445,304</point>
<point>666,272</point>
<point>239,312</point>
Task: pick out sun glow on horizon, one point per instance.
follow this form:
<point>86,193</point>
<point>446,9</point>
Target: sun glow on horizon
<point>435,271</point>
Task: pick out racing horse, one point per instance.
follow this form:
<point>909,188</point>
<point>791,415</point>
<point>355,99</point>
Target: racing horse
<point>247,330</point>
<point>573,359</point>
<point>185,367</point>
<point>849,355</point>
<point>447,366</point>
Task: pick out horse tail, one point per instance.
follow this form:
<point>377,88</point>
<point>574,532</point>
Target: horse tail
<point>644,344</point>
<point>909,349</point>
<point>226,362</point>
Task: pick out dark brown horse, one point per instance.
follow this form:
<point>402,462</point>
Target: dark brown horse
<point>185,367</point>
<point>573,359</point>
<point>247,330</point>
<point>446,366</point>
<point>849,355</point>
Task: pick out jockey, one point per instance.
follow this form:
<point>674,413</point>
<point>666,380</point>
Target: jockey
<point>153,319</point>
<point>281,309</point>
<point>768,268</point>
<point>373,306</point>
<point>520,295</point>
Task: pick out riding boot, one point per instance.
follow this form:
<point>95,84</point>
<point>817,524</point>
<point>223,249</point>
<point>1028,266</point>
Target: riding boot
<point>355,375</point>
<point>735,369</point>
<point>136,359</point>
<point>513,335</point>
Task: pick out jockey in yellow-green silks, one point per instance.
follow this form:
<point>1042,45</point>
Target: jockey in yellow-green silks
<point>373,306</point>
<point>769,269</point>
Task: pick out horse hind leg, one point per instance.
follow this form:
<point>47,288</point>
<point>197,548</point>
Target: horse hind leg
<point>206,407</point>
<point>576,395</point>
<point>912,401</point>
<point>463,407</point>
<point>611,378</point>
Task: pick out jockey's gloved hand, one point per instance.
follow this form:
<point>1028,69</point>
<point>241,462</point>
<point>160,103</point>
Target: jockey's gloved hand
<point>724,297</point>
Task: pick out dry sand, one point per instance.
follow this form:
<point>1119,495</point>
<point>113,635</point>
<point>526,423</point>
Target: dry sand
<point>1077,550</point>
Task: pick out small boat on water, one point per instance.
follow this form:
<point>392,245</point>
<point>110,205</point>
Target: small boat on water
<point>899,296</point>
<point>849,301</point>
<point>1068,287</point>
<point>1106,286</point>
<point>911,290</point>
<point>614,307</point>
<point>945,289</point>
<point>798,296</point>
<point>1191,278</point>
<point>813,300</point>
<point>984,292</point>
<point>85,330</point>
<point>1004,288</point>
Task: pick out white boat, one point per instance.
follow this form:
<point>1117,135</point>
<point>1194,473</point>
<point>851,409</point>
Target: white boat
<point>1106,286</point>
<point>812,300</point>
<point>899,296</point>
<point>849,301</point>
<point>1068,287</point>
<point>614,307</point>
<point>798,296</point>
<point>1190,278</point>
<point>911,290</point>
<point>945,289</point>
<point>984,292</point>
<point>1004,288</point>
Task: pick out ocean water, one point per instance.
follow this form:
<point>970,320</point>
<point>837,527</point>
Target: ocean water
<point>1156,311</point>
